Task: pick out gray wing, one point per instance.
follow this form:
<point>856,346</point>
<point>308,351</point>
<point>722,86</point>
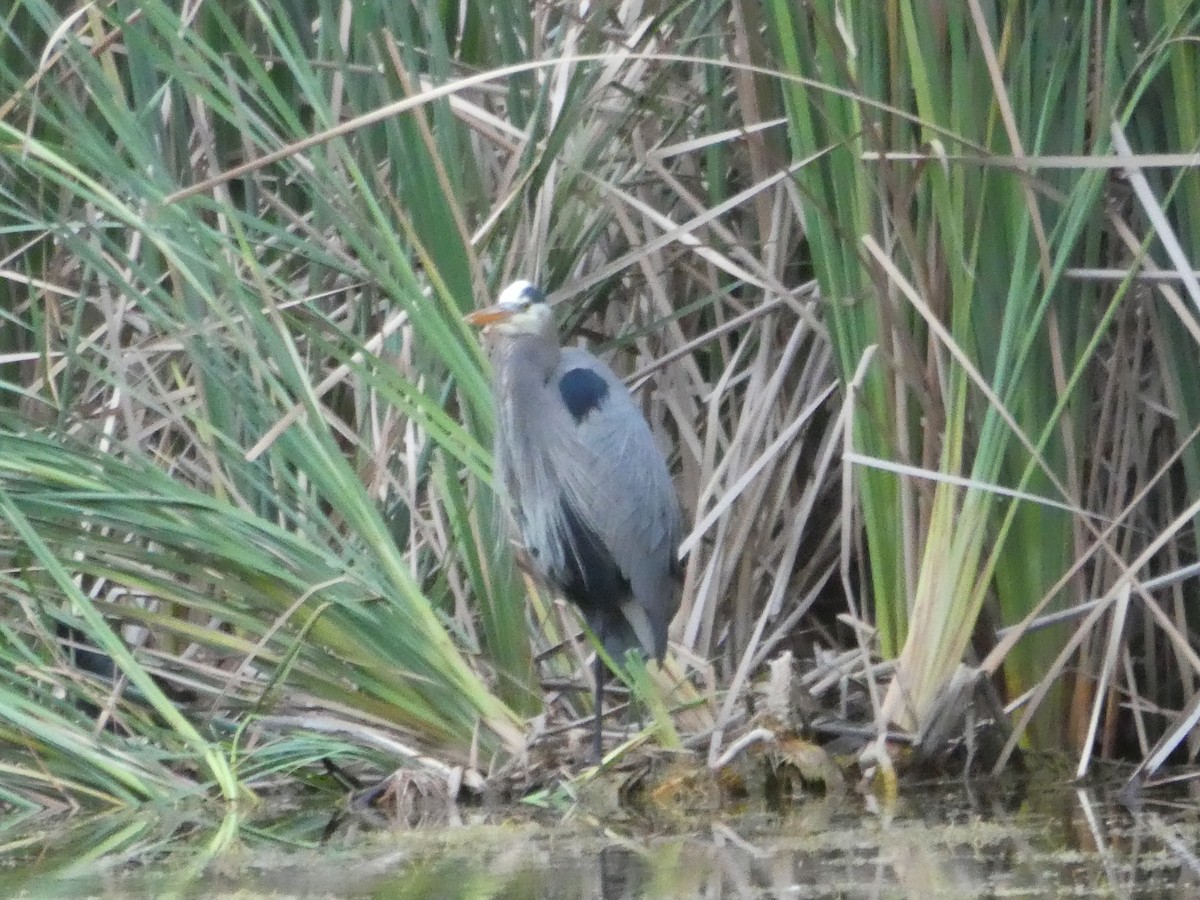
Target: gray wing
<point>615,479</point>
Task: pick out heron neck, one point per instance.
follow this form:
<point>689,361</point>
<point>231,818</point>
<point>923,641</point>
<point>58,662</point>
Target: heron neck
<point>527,356</point>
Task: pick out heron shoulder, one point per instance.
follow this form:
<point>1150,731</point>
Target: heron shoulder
<point>586,384</point>
<point>582,390</point>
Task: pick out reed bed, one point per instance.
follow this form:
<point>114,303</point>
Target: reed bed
<point>908,290</point>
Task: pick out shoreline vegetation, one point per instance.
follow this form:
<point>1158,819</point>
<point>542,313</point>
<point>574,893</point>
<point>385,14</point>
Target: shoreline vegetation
<point>909,291</point>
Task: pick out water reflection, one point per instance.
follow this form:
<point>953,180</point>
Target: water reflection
<point>941,841</point>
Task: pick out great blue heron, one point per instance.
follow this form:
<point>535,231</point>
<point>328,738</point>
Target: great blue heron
<point>585,481</point>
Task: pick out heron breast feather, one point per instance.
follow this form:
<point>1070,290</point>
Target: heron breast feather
<point>582,390</point>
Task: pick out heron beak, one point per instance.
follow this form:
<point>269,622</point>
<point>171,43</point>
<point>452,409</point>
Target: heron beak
<point>488,316</point>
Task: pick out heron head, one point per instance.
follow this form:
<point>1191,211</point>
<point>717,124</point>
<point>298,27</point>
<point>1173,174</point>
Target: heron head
<point>520,309</point>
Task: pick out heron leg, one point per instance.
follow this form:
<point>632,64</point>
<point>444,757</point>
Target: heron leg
<point>597,734</point>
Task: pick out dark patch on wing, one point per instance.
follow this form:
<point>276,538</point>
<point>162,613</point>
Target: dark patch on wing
<point>582,391</point>
<point>591,579</point>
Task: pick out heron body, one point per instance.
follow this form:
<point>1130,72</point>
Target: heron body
<point>585,481</point>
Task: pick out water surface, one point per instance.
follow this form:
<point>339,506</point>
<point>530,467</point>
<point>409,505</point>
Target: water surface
<point>941,840</point>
